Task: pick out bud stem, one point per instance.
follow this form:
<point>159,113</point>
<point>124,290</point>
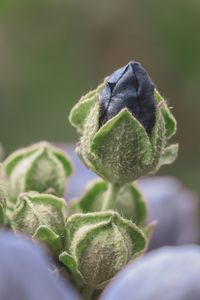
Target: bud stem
<point>110,196</point>
<point>87,293</point>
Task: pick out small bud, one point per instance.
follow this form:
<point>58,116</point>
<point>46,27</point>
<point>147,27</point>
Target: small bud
<point>41,216</point>
<point>129,202</point>
<point>98,245</point>
<point>125,126</point>
<point>40,167</point>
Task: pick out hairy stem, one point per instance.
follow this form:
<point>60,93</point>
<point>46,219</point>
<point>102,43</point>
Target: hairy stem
<point>110,196</point>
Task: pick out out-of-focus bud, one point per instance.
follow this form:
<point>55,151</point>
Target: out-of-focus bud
<point>129,201</point>
<point>170,273</point>
<point>40,167</point>
<point>98,245</point>
<point>125,125</point>
<point>42,217</point>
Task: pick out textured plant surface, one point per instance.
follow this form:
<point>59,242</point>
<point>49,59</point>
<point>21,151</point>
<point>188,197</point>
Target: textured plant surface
<point>40,167</point>
<point>125,126</point>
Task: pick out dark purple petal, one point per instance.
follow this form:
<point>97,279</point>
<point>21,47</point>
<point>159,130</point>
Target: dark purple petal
<point>130,87</point>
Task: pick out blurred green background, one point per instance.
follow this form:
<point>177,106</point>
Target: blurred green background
<point>54,51</point>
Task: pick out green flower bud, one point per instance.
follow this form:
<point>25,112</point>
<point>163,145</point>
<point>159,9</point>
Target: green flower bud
<point>40,167</point>
<point>98,245</point>
<point>42,217</point>
<point>125,125</point>
<point>129,201</point>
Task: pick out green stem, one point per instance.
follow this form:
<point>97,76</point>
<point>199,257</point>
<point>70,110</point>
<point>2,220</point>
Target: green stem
<point>110,196</point>
<point>87,293</point>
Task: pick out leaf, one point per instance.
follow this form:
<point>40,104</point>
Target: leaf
<point>50,238</point>
<point>170,121</point>
<point>120,147</point>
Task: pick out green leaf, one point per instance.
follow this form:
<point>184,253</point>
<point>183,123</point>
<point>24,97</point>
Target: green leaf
<point>169,155</point>
<point>170,121</point>
<point>120,147</point>
<point>50,238</point>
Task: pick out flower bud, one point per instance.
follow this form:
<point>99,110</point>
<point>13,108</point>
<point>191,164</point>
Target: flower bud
<point>98,245</point>
<point>40,167</point>
<point>125,125</point>
<point>42,217</point>
<point>129,87</point>
<point>129,202</point>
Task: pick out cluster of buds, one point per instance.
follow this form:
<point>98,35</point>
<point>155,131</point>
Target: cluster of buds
<point>125,126</point>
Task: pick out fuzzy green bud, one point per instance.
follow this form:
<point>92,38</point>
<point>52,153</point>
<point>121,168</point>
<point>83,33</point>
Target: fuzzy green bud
<point>42,217</point>
<point>98,245</point>
<point>129,201</point>
<point>125,125</point>
<point>40,167</point>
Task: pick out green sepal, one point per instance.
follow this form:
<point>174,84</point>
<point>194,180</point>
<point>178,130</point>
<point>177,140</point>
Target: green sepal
<point>120,147</point>
<point>129,202</point>
<point>169,154</point>
<point>149,230</point>
<point>50,238</point>
<point>44,174</point>
<point>83,149</point>
<point>157,141</point>
<point>71,264</point>
<point>80,111</point>
<point>170,121</point>
<point>64,159</point>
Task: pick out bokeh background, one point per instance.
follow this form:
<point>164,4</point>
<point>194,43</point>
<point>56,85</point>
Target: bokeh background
<point>54,51</point>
